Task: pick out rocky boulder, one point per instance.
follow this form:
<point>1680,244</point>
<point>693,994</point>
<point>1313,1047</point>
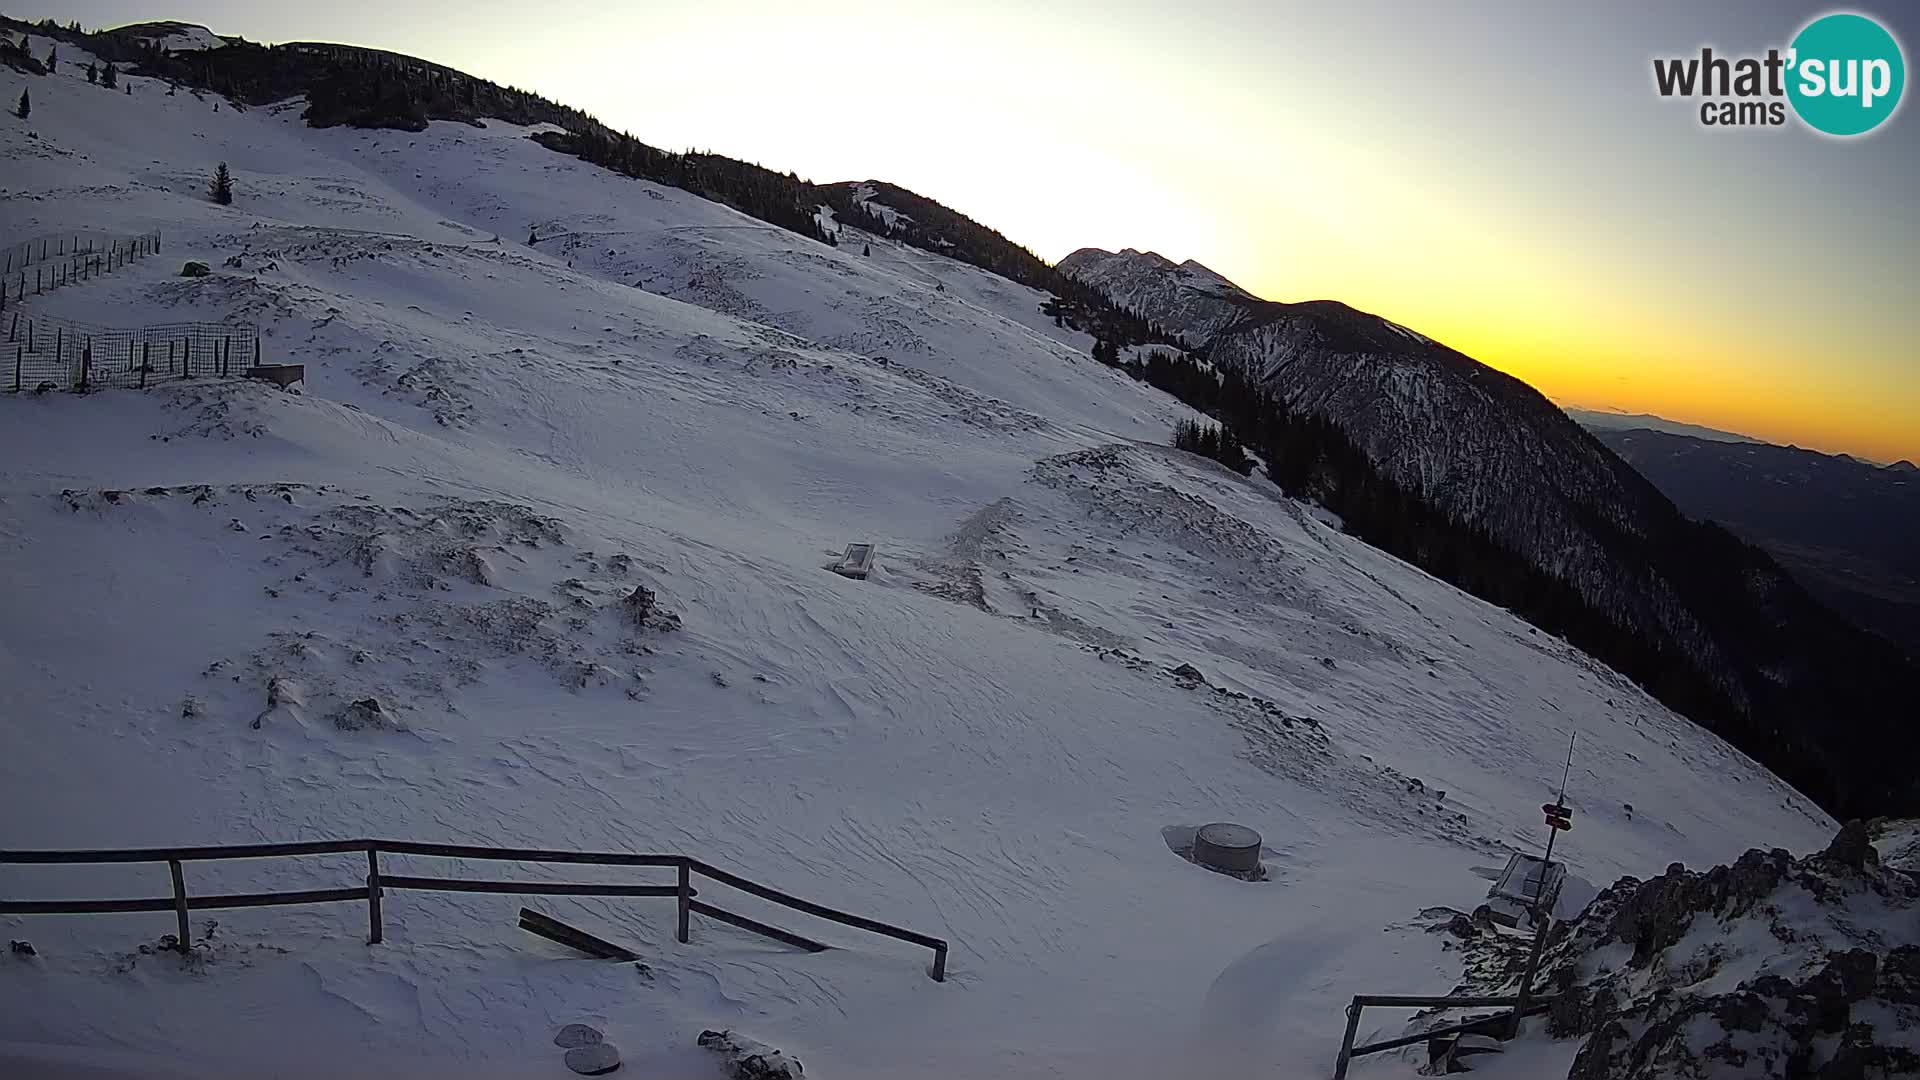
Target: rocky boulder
<point>747,1059</point>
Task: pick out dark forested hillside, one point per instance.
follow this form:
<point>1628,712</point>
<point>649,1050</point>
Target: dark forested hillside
<point>1477,478</point>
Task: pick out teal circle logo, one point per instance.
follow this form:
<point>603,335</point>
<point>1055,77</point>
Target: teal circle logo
<point>1845,74</point>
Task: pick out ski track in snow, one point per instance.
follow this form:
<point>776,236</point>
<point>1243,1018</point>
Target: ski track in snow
<point>497,441</point>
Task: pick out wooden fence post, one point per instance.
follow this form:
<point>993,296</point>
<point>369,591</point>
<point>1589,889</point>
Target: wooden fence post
<point>685,896</point>
<point>18,350</point>
<point>940,964</point>
<point>86,364</point>
<point>146,361</point>
<point>374,922</point>
<point>180,904</point>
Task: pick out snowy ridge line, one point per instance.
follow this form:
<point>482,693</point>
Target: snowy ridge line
<point>682,890</point>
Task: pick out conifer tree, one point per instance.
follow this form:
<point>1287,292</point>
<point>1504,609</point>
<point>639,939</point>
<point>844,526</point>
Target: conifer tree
<point>53,57</point>
<point>221,189</point>
<point>866,249</point>
<point>25,107</point>
<point>109,78</point>
<point>93,73</point>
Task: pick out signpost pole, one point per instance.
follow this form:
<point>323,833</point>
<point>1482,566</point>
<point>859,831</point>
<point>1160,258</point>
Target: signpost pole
<point>1559,818</point>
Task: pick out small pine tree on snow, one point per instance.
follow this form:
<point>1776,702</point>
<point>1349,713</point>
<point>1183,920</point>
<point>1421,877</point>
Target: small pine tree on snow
<point>866,249</point>
<point>109,78</point>
<point>222,187</point>
<point>93,73</point>
<point>53,57</point>
<point>25,107</point>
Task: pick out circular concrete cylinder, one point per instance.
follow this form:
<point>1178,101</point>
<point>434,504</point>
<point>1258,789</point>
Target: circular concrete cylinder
<point>1225,846</point>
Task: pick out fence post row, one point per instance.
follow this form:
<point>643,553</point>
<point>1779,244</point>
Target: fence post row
<point>377,883</point>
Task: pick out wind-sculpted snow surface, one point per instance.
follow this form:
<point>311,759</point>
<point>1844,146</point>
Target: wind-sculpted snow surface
<point>397,603</point>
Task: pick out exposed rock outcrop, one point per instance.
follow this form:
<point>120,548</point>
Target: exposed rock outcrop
<point>1770,967</point>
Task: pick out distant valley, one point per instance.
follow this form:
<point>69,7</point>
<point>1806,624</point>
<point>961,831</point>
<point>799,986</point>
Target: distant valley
<point>1844,527</point>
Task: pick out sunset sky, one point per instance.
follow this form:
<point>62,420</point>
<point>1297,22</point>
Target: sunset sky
<point>1499,176</point>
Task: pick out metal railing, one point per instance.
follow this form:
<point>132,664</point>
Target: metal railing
<point>377,883</point>
<point>38,353</point>
<point>1361,1002</point>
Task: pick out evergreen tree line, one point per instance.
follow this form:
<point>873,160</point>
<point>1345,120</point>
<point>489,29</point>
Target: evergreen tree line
<point>1179,375</point>
<point>783,200</point>
<point>1210,440</point>
<point>932,226</point>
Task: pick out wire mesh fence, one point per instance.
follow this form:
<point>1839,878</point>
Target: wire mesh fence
<point>39,266</point>
<point>44,354</point>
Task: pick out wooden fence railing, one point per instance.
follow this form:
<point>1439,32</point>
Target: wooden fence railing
<point>181,903</point>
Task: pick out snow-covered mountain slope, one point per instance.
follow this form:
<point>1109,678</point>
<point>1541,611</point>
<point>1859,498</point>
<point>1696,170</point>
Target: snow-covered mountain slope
<point>1183,298</point>
<point>992,739</point>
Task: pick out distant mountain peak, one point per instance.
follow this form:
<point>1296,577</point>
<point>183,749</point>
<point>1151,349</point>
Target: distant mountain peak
<point>1904,466</point>
<point>1612,420</point>
<point>1188,298</point>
